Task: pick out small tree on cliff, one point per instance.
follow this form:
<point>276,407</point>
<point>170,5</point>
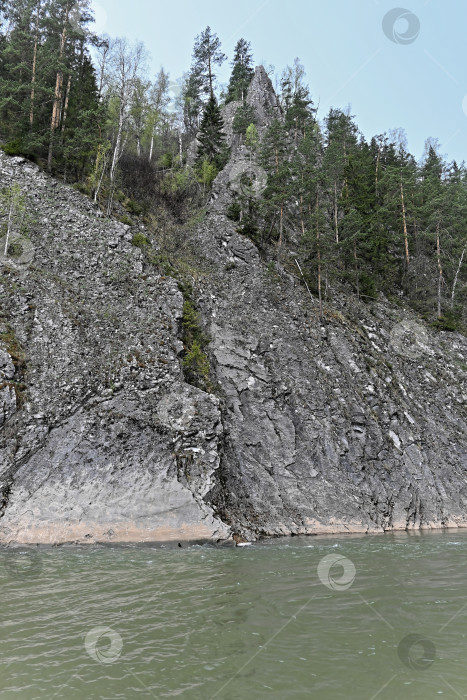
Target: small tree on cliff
<point>212,146</point>
<point>13,208</point>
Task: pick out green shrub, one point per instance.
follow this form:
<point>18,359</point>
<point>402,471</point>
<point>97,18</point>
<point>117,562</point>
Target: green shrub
<point>449,321</point>
<point>82,187</point>
<point>166,160</point>
<point>233,211</point>
<point>249,227</point>
<point>133,207</point>
<point>191,327</point>
<point>367,286</point>
<point>13,148</point>
<point>140,240</point>
<point>196,364</point>
<point>15,250</point>
<point>207,172</point>
<point>244,116</point>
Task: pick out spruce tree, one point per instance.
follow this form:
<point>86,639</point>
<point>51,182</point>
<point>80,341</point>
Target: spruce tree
<point>212,145</point>
<point>242,72</point>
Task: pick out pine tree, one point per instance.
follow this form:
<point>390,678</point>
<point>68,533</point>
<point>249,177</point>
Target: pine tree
<point>242,72</point>
<point>206,55</point>
<point>435,217</point>
<point>19,61</point>
<point>311,211</point>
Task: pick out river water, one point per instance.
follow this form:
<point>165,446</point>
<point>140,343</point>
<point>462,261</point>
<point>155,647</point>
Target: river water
<point>359,617</point>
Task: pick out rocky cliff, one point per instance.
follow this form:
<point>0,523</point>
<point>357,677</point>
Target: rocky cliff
<point>357,423</point>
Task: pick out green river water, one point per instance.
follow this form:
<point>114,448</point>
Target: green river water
<point>359,617</point>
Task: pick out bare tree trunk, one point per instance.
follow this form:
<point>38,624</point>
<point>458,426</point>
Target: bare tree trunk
<point>210,77</point>
<point>281,226</point>
<point>336,226</point>
<point>67,100</point>
<point>404,220</point>
<point>105,52</point>
<point>302,223</point>
<point>303,277</point>
<point>8,231</point>
<point>357,280</point>
<point>34,64</point>
<point>440,269</point>
<point>377,168</point>
<point>33,82</point>
<point>101,178</point>
<point>115,159</point>
<point>454,285</point>
<point>55,121</point>
<point>318,252</point>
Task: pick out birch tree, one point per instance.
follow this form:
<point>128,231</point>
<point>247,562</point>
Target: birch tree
<point>12,205</point>
<point>125,65</point>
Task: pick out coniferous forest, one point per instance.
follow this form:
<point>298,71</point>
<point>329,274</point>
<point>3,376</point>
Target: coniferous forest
<point>362,215</point>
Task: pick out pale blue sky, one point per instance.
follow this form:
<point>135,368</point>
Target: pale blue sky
<point>420,86</point>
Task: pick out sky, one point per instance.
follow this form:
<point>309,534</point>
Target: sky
<point>396,66</point>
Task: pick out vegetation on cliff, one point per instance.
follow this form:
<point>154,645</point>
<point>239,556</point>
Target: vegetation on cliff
<point>360,213</point>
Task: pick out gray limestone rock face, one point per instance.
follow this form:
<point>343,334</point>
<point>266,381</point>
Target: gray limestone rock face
<point>326,427</point>
<point>109,442</point>
<point>7,368</point>
<point>262,97</point>
<point>354,423</point>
